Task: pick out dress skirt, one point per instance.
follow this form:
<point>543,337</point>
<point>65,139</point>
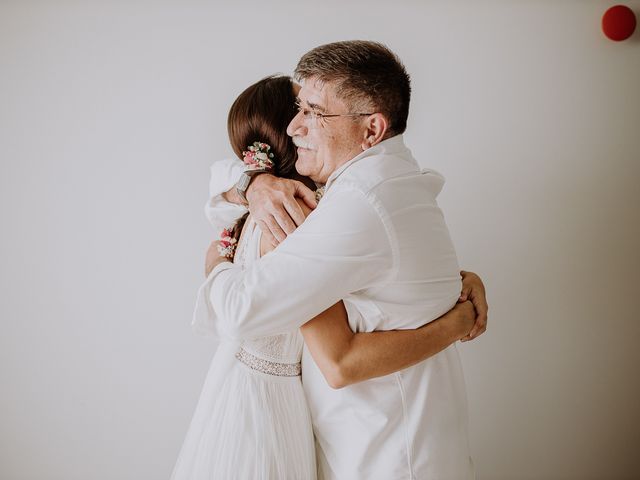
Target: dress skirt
<point>247,425</point>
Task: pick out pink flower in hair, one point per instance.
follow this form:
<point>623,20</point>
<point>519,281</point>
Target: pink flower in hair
<point>258,157</point>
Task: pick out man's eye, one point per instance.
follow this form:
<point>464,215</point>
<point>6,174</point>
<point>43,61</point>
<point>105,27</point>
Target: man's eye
<point>307,112</point>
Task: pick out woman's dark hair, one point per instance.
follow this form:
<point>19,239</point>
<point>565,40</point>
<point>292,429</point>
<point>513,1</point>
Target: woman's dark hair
<point>261,114</point>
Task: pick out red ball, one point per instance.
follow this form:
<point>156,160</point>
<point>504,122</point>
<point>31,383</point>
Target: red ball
<point>618,23</point>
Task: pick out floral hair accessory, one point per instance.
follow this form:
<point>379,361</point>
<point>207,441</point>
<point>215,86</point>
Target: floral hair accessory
<point>258,157</point>
<point>227,246</point>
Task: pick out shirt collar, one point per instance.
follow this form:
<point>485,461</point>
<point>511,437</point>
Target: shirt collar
<point>393,145</point>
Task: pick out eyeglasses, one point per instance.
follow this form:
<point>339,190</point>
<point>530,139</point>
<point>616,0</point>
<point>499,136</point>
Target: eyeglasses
<point>315,119</point>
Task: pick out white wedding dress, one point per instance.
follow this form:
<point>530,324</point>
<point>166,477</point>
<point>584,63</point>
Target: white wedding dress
<point>251,421</point>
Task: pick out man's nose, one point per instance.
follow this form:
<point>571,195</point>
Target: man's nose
<point>297,126</point>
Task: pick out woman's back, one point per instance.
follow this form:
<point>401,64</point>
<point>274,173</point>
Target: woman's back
<point>252,419</point>
<point>279,354</point>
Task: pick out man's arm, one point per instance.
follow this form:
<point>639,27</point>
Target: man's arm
<point>345,357</point>
<point>342,247</point>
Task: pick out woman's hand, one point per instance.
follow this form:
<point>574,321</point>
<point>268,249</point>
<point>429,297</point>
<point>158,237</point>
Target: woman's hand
<point>473,290</point>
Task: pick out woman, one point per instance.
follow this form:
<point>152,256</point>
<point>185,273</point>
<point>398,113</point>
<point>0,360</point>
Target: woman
<point>252,420</point>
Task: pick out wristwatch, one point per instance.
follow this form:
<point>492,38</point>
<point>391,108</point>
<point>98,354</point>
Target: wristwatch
<point>245,180</point>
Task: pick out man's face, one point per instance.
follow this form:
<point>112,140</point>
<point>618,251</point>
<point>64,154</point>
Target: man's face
<point>324,144</point>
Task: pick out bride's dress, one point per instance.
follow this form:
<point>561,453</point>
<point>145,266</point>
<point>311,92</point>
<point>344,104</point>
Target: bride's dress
<point>252,420</point>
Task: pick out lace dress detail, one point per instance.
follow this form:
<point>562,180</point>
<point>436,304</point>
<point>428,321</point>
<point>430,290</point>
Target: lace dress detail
<point>278,352</point>
<point>270,368</point>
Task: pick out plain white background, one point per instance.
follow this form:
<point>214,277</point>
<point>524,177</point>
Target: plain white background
<point>111,113</point>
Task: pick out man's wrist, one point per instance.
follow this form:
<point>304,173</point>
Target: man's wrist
<point>245,182</point>
<point>257,180</point>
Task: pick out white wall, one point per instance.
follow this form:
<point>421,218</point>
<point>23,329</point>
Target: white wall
<point>110,114</point>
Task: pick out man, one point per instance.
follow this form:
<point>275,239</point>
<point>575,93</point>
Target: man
<point>377,240</point>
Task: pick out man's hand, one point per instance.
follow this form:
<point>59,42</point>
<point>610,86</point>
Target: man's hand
<point>213,258</point>
<point>463,319</point>
<point>273,205</point>
<point>473,290</point>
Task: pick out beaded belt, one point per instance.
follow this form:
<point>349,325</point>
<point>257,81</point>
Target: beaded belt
<point>270,368</point>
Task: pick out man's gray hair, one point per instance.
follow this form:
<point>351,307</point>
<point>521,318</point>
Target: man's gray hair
<point>365,74</point>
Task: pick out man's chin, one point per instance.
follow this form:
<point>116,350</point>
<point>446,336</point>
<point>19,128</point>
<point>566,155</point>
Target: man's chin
<point>303,168</point>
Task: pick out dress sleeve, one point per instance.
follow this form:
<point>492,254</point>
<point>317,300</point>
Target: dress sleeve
<point>224,175</point>
<point>221,214</point>
<point>342,247</point>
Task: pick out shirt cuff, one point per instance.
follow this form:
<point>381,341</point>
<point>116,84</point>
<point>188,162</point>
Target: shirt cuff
<point>204,320</point>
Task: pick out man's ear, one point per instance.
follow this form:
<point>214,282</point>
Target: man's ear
<point>376,127</point>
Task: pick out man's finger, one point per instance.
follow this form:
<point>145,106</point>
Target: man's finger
<point>464,295</point>
<point>476,331</point>
<point>285,221</point>
<point>307,195</point>
<point>481,306</point>
<point>480,325</point>
<point>294,211</point>
<point>267,233</point>
<point>466,338</point>
<point>471,335</point>
<point>275,229</point>
<point>478,328</point>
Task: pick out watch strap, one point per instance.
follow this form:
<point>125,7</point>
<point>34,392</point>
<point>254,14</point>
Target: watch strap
<point>245,180</point>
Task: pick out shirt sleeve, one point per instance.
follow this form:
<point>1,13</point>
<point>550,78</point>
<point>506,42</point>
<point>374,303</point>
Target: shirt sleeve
<point>224,175</point>
<point>342,247</point>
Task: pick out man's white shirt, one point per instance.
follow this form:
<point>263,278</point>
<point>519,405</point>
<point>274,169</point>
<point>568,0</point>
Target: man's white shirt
<point>377,240</point>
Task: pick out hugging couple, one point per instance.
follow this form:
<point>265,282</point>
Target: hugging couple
<point>334,289</point>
